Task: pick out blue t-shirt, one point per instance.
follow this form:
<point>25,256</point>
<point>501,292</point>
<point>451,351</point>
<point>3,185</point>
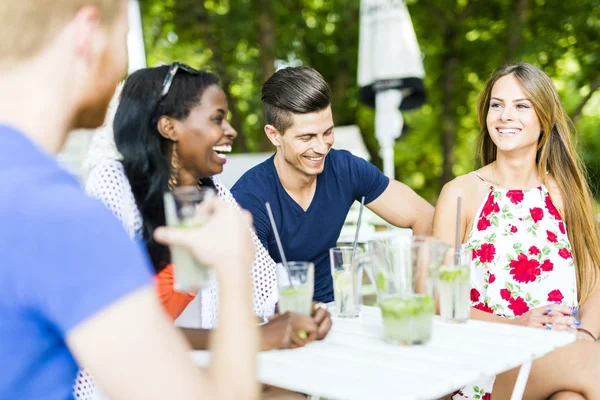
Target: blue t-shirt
<point>64,257</point>
<point>308,235</point>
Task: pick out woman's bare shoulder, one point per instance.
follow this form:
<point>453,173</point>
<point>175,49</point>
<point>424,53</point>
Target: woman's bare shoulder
<point>465,185</point>
<point>472,190</point>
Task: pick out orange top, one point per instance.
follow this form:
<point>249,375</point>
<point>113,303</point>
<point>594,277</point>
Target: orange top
<point>174,302</point>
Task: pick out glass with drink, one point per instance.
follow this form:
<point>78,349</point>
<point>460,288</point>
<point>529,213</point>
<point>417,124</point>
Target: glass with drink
<point>180,211</point>
<point>347,279</point>
<point>296,286</point>
<point>454,285</point>
<point>403,273</point>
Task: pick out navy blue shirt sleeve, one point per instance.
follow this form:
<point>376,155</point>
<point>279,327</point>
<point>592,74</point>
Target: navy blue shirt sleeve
<point>367,180</point>
<point>257,208</point>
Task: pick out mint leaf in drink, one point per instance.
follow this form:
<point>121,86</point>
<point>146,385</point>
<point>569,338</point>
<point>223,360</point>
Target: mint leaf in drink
<point>403,307</point>
<point>380,281</point>
<point>453,274</point>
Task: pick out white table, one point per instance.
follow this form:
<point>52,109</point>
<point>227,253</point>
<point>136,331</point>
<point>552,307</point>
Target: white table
<point>354,362</point>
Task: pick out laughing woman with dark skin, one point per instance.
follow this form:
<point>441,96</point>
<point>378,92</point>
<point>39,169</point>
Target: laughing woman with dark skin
<point>171,129</point>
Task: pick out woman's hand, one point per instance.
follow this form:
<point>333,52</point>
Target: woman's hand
<point>322,319</point>
<point>553,316</point>
<point>225,228</point>
<point>283,331</point>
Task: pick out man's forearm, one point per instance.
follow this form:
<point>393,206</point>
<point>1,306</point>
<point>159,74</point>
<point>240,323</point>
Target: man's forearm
<point>235,341</point>
<point>424,223</point>
<point>411,212</point>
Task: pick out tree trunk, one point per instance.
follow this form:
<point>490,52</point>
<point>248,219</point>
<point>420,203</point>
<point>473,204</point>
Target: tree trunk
<point>448,120</point>
<point>210,39</point>
<point>516,23</point>
<point>343,80</point>
<point>267,45</point>
<point>595,85</point>
<point>450,68</point>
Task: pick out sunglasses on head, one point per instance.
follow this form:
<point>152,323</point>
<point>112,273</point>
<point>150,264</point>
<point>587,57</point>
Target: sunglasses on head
<point>168,81</point>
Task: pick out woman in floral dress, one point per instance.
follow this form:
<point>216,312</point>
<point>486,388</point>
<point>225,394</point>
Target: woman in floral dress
<point>527,216</point>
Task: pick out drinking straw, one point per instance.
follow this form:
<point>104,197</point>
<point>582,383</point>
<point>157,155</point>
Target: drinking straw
<point>355,244</point>
<point>457,239</point>
<point>278,240</point>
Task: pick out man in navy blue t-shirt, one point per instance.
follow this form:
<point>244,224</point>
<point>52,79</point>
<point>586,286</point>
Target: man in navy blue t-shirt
<point>309,185</point>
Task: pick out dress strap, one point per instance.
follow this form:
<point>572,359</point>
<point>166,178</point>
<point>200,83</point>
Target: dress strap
<point>483,180</point>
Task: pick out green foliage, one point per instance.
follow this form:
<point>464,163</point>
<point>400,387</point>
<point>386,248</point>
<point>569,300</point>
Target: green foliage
<point>463,42</point>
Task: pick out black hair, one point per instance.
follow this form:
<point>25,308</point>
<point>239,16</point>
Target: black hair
<point>146,153</point>
<point>293,90</point>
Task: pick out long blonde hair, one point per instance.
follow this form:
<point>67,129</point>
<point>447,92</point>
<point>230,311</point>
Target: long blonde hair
<point>556,155</point>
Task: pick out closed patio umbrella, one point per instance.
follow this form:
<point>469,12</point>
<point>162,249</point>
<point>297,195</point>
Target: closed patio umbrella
<point>390,70</point>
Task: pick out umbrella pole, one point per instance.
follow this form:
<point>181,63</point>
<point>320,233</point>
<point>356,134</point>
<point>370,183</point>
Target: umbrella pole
<point>389,169</point>
<point>388,126</point>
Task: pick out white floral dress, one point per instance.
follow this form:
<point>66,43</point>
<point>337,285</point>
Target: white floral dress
<point>522,260</point>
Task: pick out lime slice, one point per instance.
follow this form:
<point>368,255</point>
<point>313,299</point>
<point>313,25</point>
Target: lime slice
<point>342,280</point>
<point>381,281</point>
<point>453,274</point>
<point>403,307</point>
<point>291,291</point>
<point>189,224</point>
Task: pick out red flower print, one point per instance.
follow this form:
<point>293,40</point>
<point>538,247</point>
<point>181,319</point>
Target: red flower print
<point>534,251</point>
<point>564,253</point>
<point>536,214</point>
<point>515,196</point>
<point>484,307</point>
<point>551,237</point>
<point>551,209</point>
<point>474,295</point>
<point>490,206</point>
<point>513,229</point>
<point>547,266</point>
<point>483,224</point>
<point>524,270</point>
<point>492,278</point>
<point>486,252</point>
<point>487,396</point>
<point>561,226</point>
<point>555,295</point>
<point>505,294</point>
<point>518,306</point>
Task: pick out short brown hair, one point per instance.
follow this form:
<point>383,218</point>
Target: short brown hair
<point>27,26</point>
<point>293,90</point>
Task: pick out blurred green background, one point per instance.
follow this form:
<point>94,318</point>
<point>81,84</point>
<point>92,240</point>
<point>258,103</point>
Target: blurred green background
<point>462,42</point>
